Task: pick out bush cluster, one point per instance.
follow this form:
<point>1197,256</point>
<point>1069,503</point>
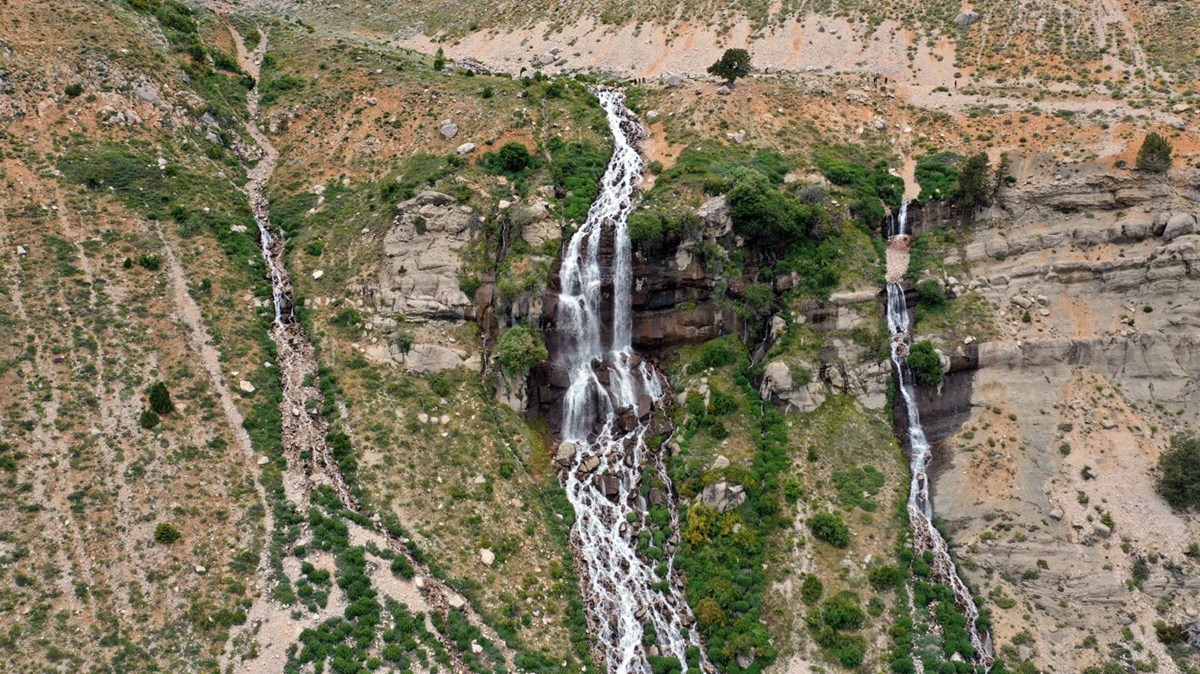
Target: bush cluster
<point>925,364</point>
<point>519,349</point>
<point>830,528</point>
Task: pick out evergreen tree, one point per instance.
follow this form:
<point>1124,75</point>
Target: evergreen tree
<point>1155,153</point>
<point>1179,472</point>
<point>160,398</point>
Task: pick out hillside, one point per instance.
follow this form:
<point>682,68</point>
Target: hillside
<point>291,296</point>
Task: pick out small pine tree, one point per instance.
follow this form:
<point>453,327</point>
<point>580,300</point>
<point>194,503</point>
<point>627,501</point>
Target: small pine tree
<point>734,63</point>
<point>974,188</point>
<point>439,61</point>
<point>148,420</point>
<point>160,399</point>
<point>165,534</point>
<point>1155,153</point>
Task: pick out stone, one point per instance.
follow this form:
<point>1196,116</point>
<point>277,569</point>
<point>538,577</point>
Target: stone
<point>1023,302</point>
<point>476,648</point>
<point>448,129</point>
<point>967,18</point>
<point>487,556</point>
<point>879,124</point>
<point>419,581</point>
<point>722,496</point>
<point>22,251</point>
<point>1102,530</point>
<point>653,114</point>
<point>589,464</point>
<point>673,81</point>
<point>372,101</point>
<point>1056,514</point>
<point>566,452</point>
<point>720,463</point>
<point>456,601</point>
<point>429,358</point>
<point>1108,424</point>
<point>738,137</point>
<point>466,148</point>
<point>778,326</point>
<point>1178,225</point>
<point>318,274</point>
<point>716,216</point>
<point>245,386</point>
<point>723,90</point>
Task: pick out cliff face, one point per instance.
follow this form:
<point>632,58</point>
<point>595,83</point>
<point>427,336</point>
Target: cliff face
<point>1048,432</point>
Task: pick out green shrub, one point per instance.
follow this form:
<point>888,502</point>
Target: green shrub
<point>519,349</point>
<point>811,589</point>
<point>160,398</point>
<point>148,419</point>
<point>830,528</point>
<point>165,534</point>
<point>842,612</point>
<point>717,353</point>
<point>512,159</point>
<point>937,176</point>
<point>885,577</point>
<point>404,341</point>
<point>576,169</point>
<point>73,90</point>
<point>347,318</point>
<point>1179,472</point>
<point>1155,153</point>
<point>150,262</point>
<point>765,215</point>
<point>857,484</point>
<point>925,364</point>
<point>931,294</point>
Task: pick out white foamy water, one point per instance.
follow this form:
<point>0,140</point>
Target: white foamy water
<point>920,509</point>
<point>609,386</point>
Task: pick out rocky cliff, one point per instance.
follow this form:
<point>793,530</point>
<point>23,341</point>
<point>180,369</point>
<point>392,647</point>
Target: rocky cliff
<point>1049,429</point>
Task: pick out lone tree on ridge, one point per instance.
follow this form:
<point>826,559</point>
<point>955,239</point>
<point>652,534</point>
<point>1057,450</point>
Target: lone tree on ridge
<point>734,63</point>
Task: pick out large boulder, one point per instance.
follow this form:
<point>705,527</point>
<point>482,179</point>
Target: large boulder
<point>722,496</point>
<point>716,217</point>
<point>967,18</point>
<point>1178,225</point>
<point>778,386</point>
<point>420,273</point>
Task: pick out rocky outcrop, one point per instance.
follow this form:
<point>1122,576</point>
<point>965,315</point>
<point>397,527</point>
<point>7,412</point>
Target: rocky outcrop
<point>420,273</point>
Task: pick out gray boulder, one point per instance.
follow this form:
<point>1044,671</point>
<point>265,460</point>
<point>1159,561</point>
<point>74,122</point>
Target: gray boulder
<point>722,496</point>
<point>1178,225</point>
<point>967,18</point>
<point>448,130</point>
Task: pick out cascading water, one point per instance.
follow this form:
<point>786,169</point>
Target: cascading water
<point>926,537</point>
<point>606,410</point>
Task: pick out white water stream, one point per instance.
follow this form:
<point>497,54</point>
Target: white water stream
<point>605,415</point>
<point>926,537</point>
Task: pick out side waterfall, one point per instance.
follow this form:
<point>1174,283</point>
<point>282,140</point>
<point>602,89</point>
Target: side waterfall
<point>926,537</point>
<point>606,412</point>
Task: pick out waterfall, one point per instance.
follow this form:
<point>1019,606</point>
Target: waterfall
<point>926,538</point>
<point>606,413</point>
